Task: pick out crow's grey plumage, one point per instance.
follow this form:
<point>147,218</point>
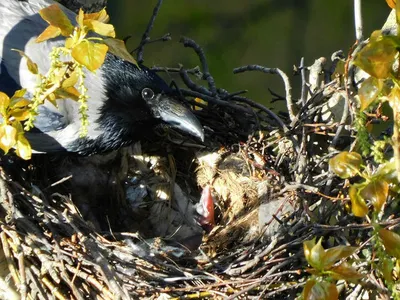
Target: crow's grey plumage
<point>125,101</point>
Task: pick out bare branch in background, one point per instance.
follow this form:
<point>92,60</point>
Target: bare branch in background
<point>358,20</point>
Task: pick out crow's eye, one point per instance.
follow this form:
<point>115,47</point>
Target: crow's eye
<point>147,94</point>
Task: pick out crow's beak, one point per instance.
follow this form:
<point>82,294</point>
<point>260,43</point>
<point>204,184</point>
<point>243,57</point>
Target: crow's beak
<point>179,117</point>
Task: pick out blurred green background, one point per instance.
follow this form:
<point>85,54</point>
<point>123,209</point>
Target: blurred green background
<point>272,33</point>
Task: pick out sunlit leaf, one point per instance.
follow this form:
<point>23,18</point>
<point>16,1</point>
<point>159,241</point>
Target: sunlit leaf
<point>333,255</point>
<point>397,7</point>
<point>19,94</point>
<point>376,191</point>
<point>200,101</point>
<point>4,104</point>
<point>377,57</point>
<point>32,67</point>
<point>50,32</point>
<point>23,148</point>
<point>369,91</point>
<point>20,109</point>
<point>320,290</point>
<point>100,16</point>
<point>89,54</point>
<point>314,253</point>
<point>346,164</point>
<point>80,18</point>
<point>391,3</point>
<point>391,241</point>
<point>100,28</point>
<point>8,137</point>
<point>71,80</point>
<point>394,101</point>
<point>57,18</point>
<point>118,48</point>
<point>387,269</point>
<point>346,272</point>
<point>68,93</point>
<point>358,205</point>
<point>69,42</point>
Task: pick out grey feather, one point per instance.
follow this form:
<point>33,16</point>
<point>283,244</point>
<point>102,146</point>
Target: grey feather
<point>20,24</point>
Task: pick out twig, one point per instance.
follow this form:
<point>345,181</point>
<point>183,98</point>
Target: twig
<point>145,36</point>
<point>194,71</point>
<point>288,87</point>
<point>200,53</point>
<point>304,90</point>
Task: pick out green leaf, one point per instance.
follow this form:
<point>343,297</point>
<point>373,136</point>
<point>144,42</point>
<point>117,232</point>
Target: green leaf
<point>377,57</point>
<point>376,191</point>
<point>346,164</point>
<point>369,91</point>
<point>391,241</point>
<point>333,255</point>
<point>314,253</point>
<point>118,48</point>
<point>345,272</point>
<point>320,290</point>
<point>358,205</point>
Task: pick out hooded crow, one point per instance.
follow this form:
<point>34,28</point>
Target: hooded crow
<point>125,103</point>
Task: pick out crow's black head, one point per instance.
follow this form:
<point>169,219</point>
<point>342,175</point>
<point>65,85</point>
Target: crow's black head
<point>137,100</point>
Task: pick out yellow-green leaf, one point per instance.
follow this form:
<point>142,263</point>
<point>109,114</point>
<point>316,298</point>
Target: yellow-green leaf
<point>49,33</point>
<point>358,205</point>
<point>333,255</point>
<point>80,18</point>
<point>387,269</point>
<point>71,80</point>
<point>100,16</point>
<point>369,91</point>
<point>8,137</point>
<point>320,290</point>
<point>376,191</point>
<point>377,57</point>
<point>391,241</point>
<point>4,104</point>
<point>68,93</point>
<point>397,7</point>
<point>89,54</point>
<point>314,253</point>
<point>23,148</point>
<point>69,42</point>
<point>32,67</point>
<point>346,164</point>
<point>118,48</point>
<point>345,272</point>
<point>56,17</point>
<point>100,28</point>
<point>19,94</point>
<point>20,109</point>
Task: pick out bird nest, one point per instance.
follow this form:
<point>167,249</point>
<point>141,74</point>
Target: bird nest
<point>123,225</point>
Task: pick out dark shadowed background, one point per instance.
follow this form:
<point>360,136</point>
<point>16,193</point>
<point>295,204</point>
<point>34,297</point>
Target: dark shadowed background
<point>273,33</point>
